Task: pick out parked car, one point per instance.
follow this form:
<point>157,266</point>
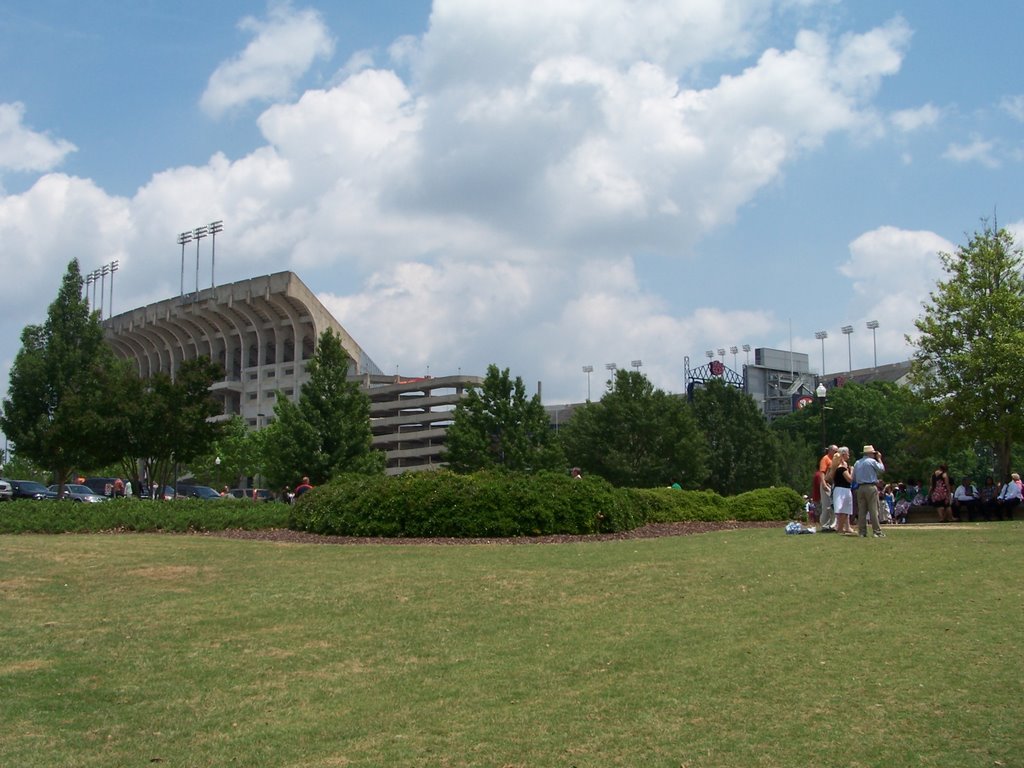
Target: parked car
<point>197,492</point>
<point>76,492</point>
<point>5,491</point>
<point>30,489</point>
<point>146,492</point>
<point>253,494</point>
<point>104,486</point>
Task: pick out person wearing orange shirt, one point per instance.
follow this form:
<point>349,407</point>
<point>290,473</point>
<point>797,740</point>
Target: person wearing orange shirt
<point>826,515</point>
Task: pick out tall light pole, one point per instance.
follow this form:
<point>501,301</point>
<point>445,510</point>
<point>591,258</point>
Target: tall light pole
<point>588,369</point>
<point>215,227</point>
<point>734,350</point>
<point>636,364</point>
<point>721,353</point>
<point>89,281</point>
<point>183,239</point>
<point>114,265</point>
<point>821,392</point>
<point>104,271</point>
<point>198,234</point>
<point>711,354</point>
<point>821,336</point>
<point>847,332</point>
<point>873,326</point>
<point>746,348</point>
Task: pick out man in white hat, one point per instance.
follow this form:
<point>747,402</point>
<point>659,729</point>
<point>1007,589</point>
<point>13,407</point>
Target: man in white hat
<point>866,473</point>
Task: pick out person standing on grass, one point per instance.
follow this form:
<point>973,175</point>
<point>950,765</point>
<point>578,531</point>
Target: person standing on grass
<point>840,478</point>
<point>866,475</point>
<point>826,514</point>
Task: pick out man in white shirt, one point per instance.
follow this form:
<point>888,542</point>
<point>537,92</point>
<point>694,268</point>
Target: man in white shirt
<point>965,499</point>
<point>1009,497</point>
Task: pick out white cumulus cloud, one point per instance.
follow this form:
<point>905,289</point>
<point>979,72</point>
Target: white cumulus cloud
<point>22,149</point>
<point>283,48</point>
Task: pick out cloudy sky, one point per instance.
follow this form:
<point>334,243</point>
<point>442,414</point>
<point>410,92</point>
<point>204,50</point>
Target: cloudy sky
<point>541,185</point>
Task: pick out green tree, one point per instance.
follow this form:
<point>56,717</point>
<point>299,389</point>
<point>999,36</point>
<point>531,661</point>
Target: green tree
<point>742,454</point>
<point>636,435</point>
<point>163,423</point>
<point>497,426</point>
<point>325,433</point>
<point>968,359</point>
<point>880,413</point>
<point>58,395</point>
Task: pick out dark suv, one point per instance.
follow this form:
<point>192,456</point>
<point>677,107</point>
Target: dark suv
<point>30,489</point>
<point>197,492</point>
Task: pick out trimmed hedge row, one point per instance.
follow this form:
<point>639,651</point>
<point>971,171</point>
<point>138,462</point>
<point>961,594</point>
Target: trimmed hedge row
<point>495,504</point>
<point>134,515</point>
<point>418,505</point>
<point>444,504</point>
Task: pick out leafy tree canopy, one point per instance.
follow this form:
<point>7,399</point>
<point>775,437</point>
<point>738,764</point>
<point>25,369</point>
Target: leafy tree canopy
<point>636,435</point>
<point>498,426</point>
<point>742,453</point>
<point>57,394</point>
<point>968,359</point>
<point>327,432</point>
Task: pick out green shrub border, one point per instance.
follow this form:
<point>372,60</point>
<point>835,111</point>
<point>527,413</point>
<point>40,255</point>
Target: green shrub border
<point>177,516</point>
<point>497,504</point>
<point>418,505</point>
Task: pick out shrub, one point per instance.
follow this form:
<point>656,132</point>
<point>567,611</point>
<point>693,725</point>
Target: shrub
<point>766,504</point>
<point>668,505</point>
<point>483,504</point>
<point>134,515</point>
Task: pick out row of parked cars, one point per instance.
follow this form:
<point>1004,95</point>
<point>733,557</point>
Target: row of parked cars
<point>97,489</point>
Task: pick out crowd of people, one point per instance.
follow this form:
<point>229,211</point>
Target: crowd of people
<point>845,492</point>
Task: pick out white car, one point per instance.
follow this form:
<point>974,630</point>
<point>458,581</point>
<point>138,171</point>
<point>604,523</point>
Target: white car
<point>6,492</point>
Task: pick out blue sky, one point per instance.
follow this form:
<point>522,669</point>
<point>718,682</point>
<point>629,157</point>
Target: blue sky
<point>541,186</point>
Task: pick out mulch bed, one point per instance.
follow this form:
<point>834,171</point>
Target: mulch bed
<point>653,531</point>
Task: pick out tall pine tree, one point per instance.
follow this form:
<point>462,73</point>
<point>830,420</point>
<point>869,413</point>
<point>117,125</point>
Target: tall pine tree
<point>57,412</point>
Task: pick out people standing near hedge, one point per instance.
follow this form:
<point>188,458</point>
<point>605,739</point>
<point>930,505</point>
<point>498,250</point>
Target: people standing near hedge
<point>866,474</point>
<point>303,487</point>
<point>826,515</point>
<point>840,479</point>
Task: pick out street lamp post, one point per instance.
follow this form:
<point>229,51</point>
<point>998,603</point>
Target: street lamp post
<point>588,369</point>
<point>822,393</point>
<point>873,326</point>
<point>847,332</point>
<point>821,336</point>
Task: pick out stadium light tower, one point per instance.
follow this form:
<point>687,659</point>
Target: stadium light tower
<point>821,336</point>
<point>848,332</point>
<point>214,227</point>
<point>636,364</point>
<point>734,350</point>
<point>183,239</point>
<point>746,348</point>
<point>873,326</point>
<point>198,234</point>
<point>588,369</point>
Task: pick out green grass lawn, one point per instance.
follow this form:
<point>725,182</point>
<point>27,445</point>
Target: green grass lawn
<point>741,648</point>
